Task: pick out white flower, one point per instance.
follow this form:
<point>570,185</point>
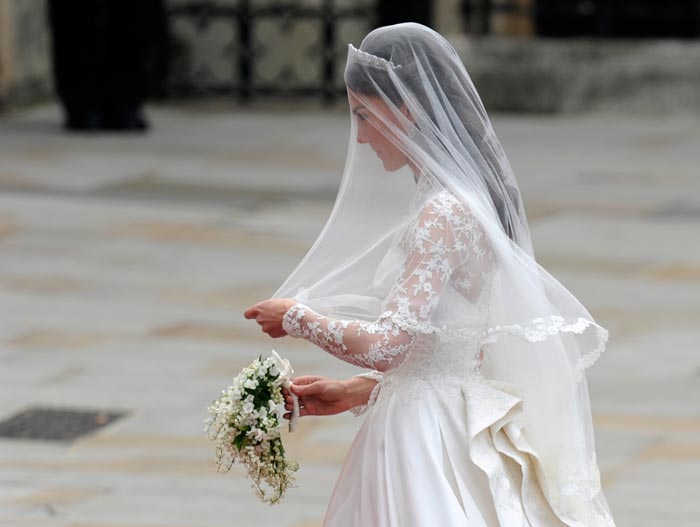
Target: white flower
<point>283,367</point>
<point>259,448</point>
<point>280,410</point>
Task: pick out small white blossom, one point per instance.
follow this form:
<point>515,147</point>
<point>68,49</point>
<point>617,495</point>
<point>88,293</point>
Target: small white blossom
<point>247,431</point>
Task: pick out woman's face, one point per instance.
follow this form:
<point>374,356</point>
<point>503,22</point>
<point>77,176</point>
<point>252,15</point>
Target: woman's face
<point>372,129</point>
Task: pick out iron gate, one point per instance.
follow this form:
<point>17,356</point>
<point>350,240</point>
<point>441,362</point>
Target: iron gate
<point>263,47</point>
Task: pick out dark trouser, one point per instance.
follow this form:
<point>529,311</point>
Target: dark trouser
<point>105,54</point>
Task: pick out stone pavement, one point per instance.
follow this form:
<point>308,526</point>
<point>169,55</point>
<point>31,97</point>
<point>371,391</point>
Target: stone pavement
<point>126,263</point>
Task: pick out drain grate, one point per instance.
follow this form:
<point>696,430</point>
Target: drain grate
<point>52,424</point>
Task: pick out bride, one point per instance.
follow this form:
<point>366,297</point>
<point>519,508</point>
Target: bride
<point>476,403</point>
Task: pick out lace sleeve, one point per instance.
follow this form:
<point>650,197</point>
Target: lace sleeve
<point>441,240</point>
<point>375,376</point>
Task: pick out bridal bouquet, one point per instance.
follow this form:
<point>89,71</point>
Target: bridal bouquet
<point>245,421</point>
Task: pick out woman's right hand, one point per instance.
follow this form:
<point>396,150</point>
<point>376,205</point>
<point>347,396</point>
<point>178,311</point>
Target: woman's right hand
<point>317,396</point>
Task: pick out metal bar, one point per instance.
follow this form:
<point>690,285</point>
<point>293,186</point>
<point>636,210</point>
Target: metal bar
<point>327,51</point>
<point>244,51</point>
<point>486,11</point>
<point>244,15</point>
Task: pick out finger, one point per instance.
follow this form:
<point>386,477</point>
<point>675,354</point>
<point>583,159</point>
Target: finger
<point>251,312</point>
<point>305,379</point>
<point>307,390</point>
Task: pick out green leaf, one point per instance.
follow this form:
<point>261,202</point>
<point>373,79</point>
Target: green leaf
<point>240,441</point>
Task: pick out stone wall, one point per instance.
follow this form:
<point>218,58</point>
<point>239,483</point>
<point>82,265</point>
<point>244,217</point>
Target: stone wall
<point>574,75</point>
<point>512,74</point>
<point>25,65</point>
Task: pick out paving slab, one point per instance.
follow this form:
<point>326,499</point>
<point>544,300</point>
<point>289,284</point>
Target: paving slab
<point>126,262</point>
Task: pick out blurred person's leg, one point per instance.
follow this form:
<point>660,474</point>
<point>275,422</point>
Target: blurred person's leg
<point>76,56</point>
<point>105,56</point>
<point>135,35</point>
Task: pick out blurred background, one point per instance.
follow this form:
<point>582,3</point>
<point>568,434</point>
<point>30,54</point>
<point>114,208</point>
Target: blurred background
<point>166,164</point>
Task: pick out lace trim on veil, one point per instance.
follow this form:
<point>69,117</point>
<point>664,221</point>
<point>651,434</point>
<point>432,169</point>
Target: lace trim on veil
<point>539,329</point>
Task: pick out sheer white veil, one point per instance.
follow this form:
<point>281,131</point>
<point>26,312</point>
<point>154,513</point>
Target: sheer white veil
<point>538,339</point>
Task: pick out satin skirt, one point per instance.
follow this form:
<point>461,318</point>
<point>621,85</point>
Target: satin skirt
<point>433,456</point>
<point>409,465</point>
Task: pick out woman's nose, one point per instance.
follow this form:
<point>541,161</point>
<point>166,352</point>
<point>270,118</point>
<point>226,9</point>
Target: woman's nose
<point>361,136</point>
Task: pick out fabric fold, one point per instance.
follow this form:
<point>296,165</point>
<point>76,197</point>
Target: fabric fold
<point>498,445</point>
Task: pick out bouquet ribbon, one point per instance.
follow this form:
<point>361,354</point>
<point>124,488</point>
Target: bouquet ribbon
<point>285,380</point>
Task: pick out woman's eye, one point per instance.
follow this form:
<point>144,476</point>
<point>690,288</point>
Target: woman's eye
<point>361,117</point>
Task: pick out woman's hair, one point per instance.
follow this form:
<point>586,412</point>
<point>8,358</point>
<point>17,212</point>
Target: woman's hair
<point>403,49</point>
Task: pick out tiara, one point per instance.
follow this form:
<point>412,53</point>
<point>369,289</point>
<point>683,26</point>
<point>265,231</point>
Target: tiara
<point>371,60</point>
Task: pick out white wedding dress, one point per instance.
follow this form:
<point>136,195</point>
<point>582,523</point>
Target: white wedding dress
<point>441,445</point>
<point>424,274</point>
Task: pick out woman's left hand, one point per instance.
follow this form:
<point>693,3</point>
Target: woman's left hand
<point>269,315</point>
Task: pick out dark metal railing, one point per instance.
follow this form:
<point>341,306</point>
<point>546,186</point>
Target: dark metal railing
<point>243,54</point>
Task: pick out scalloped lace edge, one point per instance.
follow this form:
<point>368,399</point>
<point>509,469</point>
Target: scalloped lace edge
<point>541,329</point>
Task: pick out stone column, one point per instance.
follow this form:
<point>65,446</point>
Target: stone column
<point>512,18</point>
<point>518,23</point>
<point>448,18</point>
<point>25,66</point>
<point>6,45</point>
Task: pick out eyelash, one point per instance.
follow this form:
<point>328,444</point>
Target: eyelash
<point>361,117</point>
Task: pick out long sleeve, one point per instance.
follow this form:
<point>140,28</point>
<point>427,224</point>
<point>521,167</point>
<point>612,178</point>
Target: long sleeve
<point>375,376</point>
<point>443,238</point>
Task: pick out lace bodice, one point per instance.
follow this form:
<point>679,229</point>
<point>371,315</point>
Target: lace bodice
<point>439,294</point>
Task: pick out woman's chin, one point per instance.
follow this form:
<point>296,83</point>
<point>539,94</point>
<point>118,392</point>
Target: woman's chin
<point>392,167</point>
